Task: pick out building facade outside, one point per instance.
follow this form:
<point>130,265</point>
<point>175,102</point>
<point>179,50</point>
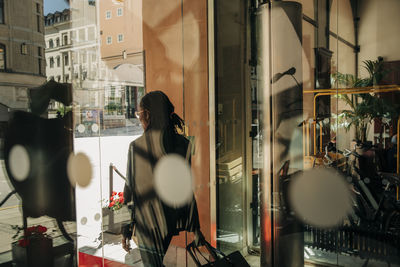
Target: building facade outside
<point>122,56</point>
<point>112,79</point>
<point>71,53</point>
<point>291,107</point>
<point>22,63</point>
<point>58,40</point>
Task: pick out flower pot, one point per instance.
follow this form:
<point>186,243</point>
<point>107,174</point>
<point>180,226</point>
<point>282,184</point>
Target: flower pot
<point>39,252</point>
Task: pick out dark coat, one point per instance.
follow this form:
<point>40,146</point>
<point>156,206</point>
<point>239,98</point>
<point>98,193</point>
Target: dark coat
<point>155,221</point>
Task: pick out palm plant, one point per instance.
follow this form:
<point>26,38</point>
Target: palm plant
<point>364,108</point>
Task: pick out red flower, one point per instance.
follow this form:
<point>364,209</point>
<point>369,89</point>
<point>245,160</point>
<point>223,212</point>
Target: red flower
<point>31,229</point>
<point>32,232</point>
<point>111,198</point>
<point>23,242</point>
<point>112,203</point>
<point>28,231</point>
<point>121,194</point>
<point>121,200</point>
<point>41,229</point>
<point>113,193</point>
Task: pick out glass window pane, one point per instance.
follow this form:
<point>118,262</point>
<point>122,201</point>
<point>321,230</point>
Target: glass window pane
<point>269,126</point>
<point>2,11</point>
<point>2,57</point>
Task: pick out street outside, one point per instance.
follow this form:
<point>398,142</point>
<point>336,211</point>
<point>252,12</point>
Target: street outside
<point>110,147</point>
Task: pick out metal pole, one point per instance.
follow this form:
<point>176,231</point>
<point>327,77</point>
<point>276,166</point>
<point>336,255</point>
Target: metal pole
<point>263,41</point>
<point>398,138</point>
<point>397,154</point>
<point>320,137</point>
<point>281,49</point>
<point>111,213</point>
<point>304,141</point>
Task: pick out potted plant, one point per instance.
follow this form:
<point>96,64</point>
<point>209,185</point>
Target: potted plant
<point>116,201</point>
<point>33,248</point>
<point>115,211</point>
<point>364,108</point>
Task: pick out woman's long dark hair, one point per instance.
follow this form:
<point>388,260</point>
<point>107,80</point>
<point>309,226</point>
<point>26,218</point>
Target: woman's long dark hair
<point>162,115</point>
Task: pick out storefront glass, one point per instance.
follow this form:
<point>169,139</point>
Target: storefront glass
<point>339,200</point>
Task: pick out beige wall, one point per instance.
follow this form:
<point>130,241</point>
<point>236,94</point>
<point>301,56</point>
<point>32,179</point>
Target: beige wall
<point>21,27</point>
<point>129,24</point>
<point>379,30</point>
<point>82,13</point>
<point>176,63</point>
<point>341,20</point>
<point>23,70</point>
<point>307,6</point>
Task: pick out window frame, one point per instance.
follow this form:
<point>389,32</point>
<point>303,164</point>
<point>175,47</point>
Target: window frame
<point>38,23</point>
<point>108,12</point>
<point>66,60</point>
<point>65,39</point>
<point>40,66</point>
<point>109,38</point>
<point>51,62</point>
<point>24,49</point>
<point>120,13</point>
<point>2,14</point>
<point>118,38</point>
<point>4,48</point>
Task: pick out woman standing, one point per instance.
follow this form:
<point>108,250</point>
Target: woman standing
<point>156,222</point>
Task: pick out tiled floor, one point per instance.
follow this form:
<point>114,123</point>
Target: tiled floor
<point>323,258</point>
<point>111,250</point>
<point>254,261</point>
<point>319,258</point>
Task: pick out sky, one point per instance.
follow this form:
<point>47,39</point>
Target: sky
<point>50,6</point>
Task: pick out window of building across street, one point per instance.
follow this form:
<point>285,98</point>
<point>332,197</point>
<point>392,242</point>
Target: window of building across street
<point>2,57</point>
<point>38,22</point>
<point>120,38</point>
<point>1,11</point>
<point>24,49</point>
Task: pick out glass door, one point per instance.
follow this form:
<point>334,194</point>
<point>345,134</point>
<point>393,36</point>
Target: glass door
<point>231,124</point>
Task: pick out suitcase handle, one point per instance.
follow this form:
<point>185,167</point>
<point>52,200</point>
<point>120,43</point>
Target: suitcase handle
<point>192,248</point>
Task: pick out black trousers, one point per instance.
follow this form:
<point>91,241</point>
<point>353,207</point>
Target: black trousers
<point>153,249</point>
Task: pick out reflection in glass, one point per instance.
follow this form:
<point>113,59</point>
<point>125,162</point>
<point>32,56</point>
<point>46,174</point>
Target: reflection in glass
<point>271,93</point>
